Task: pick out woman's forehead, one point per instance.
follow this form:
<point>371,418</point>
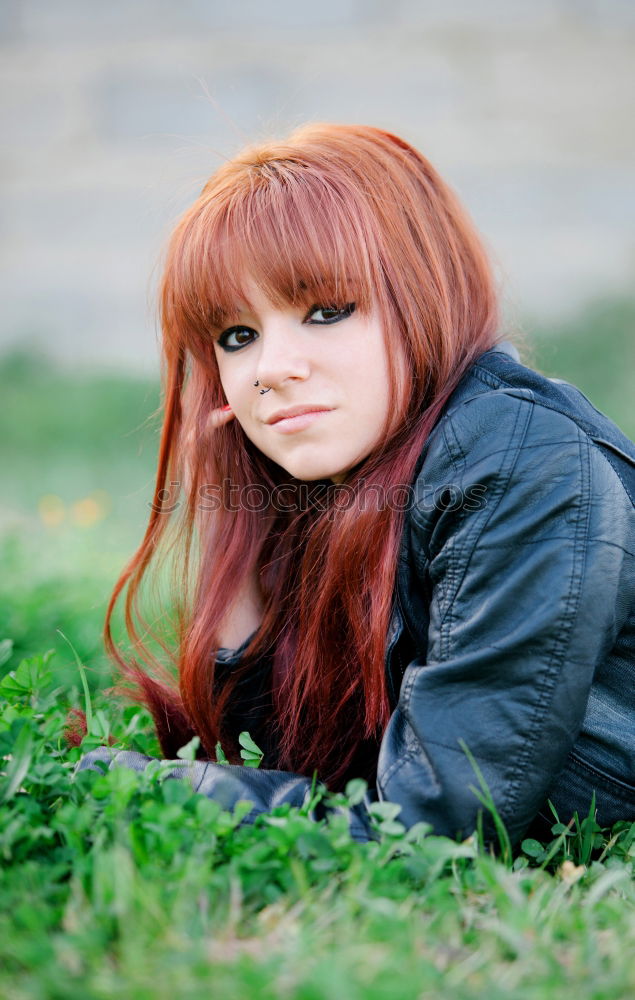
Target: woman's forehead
<point>290,256</point>
<point>251,292</point>
<point>253,289</point>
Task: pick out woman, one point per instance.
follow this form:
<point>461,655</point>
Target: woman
<point>436,562</point>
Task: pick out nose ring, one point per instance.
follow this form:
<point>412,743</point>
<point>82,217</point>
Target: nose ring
<point>262,390</point>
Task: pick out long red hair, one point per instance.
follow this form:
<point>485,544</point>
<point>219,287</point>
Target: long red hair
<point>334,214</point>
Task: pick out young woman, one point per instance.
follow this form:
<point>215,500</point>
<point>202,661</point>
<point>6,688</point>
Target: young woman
<point>399,547</point>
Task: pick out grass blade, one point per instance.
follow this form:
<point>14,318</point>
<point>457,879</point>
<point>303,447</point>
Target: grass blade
<point>88,705</point>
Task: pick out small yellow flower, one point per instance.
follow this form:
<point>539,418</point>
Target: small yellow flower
<point>87,511</point>
<point>52,510</point>
<point>571,873</point>
<point>104,499</point>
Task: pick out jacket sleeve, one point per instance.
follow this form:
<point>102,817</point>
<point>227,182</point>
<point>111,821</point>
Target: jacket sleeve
<point>228,784</point>
<point>523,588</point>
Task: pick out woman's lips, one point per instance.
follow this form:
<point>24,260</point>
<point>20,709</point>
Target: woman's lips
<point>289,425</point>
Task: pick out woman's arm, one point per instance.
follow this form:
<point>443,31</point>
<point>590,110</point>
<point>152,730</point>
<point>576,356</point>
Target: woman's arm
<point>525,604</point>
<point>229,784</point>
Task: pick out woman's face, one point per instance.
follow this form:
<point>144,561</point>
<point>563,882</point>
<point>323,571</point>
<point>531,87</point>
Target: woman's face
<point>334,361</point>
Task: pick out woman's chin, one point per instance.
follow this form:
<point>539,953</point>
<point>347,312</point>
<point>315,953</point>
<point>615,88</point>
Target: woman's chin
<point>314,474</point>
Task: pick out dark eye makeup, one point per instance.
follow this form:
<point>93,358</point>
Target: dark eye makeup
<point>242,334</point>
<point>330,314</point>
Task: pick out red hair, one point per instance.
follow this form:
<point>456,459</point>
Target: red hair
<point>334,214</point>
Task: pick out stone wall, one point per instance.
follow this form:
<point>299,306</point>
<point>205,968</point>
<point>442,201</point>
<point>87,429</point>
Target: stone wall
<point>115,112</point>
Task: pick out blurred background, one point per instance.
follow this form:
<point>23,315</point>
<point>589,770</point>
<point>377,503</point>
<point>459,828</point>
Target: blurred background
<point>113,116</point>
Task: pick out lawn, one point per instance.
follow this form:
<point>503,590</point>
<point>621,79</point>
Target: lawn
<point>128,885</point>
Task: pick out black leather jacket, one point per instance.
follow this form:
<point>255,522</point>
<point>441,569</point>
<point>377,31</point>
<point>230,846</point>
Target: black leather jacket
<point>513,629</point>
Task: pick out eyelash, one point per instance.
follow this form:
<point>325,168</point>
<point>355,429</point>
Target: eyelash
<point>342,313</point>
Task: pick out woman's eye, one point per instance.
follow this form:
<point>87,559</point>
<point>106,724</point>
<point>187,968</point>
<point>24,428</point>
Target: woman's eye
<point>235,337</point>
<point>329,314</point>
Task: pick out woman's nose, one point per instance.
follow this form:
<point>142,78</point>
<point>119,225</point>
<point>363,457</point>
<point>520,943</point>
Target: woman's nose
<point>281,357</point>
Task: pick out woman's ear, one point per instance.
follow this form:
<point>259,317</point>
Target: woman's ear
<point>218,417</point>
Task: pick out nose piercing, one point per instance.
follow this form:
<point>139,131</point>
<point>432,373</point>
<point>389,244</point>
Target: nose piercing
<point>262,390</point>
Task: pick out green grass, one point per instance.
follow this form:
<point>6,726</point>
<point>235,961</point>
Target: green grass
<point>128,885</point>
<point>596,353</point>
<point>78,461</point>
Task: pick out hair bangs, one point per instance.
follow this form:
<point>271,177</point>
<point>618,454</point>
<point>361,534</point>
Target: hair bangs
<point>301,242</point>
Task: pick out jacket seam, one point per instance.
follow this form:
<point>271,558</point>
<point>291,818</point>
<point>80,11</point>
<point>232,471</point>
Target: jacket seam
<point>453,446</point>
<point>400,762</point>
<point>560,643</point>
<point>458,563</point>
<point>493,381</point>
<point>203,774</point>
<point>611,466</point>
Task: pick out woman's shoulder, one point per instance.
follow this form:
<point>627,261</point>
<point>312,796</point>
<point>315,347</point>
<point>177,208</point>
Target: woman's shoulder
<point>517,432</point>
<point>499,382</point>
